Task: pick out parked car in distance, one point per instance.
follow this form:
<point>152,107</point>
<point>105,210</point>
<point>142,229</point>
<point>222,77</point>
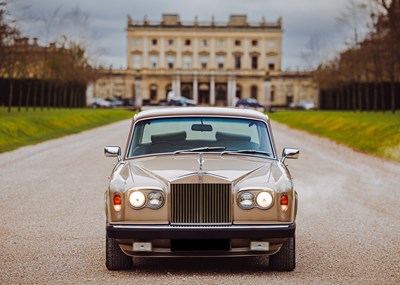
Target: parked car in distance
<point>181,101</point>
<point>250,103</point>
<point>115,103</point>
<point>200,181</point>
<point>303,105</point>
<point>99,103</point>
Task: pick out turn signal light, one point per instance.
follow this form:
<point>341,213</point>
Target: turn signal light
<point>117,202</point>
<point>284,202</point>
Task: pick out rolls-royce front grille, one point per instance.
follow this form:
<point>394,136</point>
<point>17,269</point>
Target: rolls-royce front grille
<point>207,204</point>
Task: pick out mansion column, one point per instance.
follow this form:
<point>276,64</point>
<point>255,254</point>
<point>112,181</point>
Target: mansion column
<point>246,64</point>
<point>212,54</point>
<point>267,92</point>
<point>233,98</point>
<point>162,53</point>
<point>231,92</point>
<point>212,91</point>
<point>145,52</point>
<point>195,89</point>
<point>196,53</point>
<point>138,92</point>
<point>263,62</point>
<point>177,87</point>
<point>179,52</point>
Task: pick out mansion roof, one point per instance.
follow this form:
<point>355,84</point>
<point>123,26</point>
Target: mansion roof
<point>172,21</point>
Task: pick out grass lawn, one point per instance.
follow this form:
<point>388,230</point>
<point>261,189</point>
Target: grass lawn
<point>374,133</point>
<point>23,128</point>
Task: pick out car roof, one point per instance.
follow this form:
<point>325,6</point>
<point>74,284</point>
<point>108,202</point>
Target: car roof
<point>199,111</point>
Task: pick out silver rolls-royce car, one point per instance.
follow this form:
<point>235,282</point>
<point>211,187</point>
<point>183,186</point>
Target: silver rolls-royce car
<point>198,181</point>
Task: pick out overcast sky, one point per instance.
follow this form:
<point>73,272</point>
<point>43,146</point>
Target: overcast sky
<point>102,23</point>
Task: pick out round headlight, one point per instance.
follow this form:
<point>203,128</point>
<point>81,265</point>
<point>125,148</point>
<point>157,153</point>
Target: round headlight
<point>264,200</point>
<point>246,200</point>
<point>137,199</point>
<point>155,200</point>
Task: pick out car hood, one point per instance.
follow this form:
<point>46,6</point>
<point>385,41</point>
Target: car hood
<point>160,170</point>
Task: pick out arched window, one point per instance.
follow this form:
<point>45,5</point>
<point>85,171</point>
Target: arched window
<point>187,90</point>
<point>168,88</point>
<point>221,94</point>
<point>238,91</point>
<point>272,93</point>
<point>153,92</point>
<point>253,91</point>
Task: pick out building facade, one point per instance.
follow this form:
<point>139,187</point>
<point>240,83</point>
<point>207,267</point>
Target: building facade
<point>209,62</point>
<point>213,63</point>
<point>291,87</point>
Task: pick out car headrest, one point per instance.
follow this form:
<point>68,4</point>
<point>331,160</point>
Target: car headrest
<point>221,136</point>
<point>178,136</point>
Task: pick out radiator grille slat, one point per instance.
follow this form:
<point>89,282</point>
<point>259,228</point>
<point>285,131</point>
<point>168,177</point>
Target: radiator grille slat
<point>205,204</point>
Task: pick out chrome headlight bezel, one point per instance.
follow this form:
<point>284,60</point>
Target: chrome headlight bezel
<point>255,193</point>
<point>155,195</point>
<point>264,196</point>
<point>148,194</point>
<point>246,196</point>
<point>137,196</point>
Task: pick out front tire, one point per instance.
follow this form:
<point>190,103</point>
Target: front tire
<point>285,258</point>
<point>115,258</point>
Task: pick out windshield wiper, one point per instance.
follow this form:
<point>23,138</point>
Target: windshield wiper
<point>249,151</point>
<point>201,149</point>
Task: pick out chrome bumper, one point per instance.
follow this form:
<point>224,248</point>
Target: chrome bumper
<point>127,231</point>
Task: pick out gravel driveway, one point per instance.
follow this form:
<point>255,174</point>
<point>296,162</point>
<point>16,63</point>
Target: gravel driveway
<point>52,218</point>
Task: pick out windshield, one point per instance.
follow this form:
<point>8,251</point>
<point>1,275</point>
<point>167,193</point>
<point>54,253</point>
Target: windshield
<point>207,134</point>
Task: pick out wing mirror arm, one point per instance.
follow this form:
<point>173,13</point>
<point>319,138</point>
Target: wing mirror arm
<point>113,151</point>
<point>292,153</point>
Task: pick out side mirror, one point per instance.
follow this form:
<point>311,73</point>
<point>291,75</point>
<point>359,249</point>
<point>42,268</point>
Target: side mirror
<point>292,153</point>
<point>113,151</point>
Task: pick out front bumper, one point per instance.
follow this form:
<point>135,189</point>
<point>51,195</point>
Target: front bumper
<point>130,231</point>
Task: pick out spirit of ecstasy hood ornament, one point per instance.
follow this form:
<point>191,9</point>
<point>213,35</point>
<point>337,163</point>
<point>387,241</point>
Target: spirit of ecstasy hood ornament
<point>201,161</point>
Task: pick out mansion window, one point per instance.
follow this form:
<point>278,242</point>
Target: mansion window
<point>204,43</point>
<point>153,61</point>
<point>254,43</point>
<point>220,43</point>
<point>273,93</point>
<point>253,91</point>
<point>271,63</point>
<point>170,61</point>
<point>137,61</point>
<point>254,62</point>
<point>187,61</point>
<point>187,42</point>
<point>154,42</point>
<point>237,61</point>
<point>170,42</point>
<point>153,92</point>
<point>272,43</point>
<point>237,43</point>
<point>220,61</point>
<point>136,42</point>
<point>204,60</point>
